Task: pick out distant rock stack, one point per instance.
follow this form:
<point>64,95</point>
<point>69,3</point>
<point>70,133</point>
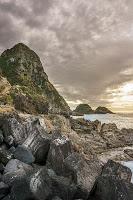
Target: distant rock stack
<point>82,109</point>
<point>30,90</point>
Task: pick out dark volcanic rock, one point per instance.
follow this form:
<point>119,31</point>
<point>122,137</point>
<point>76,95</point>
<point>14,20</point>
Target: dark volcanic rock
<point>28,132</point>
<point>117,170</point>
<point>60,148</point>
<point>23,154</point>
<point>1,168</point>
<point>38,141</point>
<point>15,169</point>
<point>5,156</point>
<point>45,184</point>
<point>83,172</point>
<point>1,137</point>
<point>4,190</point>
<point>21,190</point>
<point>113,183</point>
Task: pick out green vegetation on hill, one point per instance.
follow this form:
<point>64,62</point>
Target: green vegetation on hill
<point>31,90</point>
<point>83,109</point>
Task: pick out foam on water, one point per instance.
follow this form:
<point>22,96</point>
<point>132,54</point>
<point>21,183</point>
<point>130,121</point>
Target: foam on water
<point>121,120</point>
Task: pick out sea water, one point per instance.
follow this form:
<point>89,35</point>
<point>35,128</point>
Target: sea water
<point>121,120</point>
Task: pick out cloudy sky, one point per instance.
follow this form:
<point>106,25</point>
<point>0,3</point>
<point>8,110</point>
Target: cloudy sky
<point>86,46</point>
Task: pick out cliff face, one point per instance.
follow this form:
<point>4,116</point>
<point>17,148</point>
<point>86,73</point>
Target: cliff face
<point>30,89</point>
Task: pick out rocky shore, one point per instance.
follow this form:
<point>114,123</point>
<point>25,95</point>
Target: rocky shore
<point>54,157</point>
<point>47,155</point>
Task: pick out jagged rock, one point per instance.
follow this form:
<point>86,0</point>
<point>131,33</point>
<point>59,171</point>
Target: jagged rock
<point>30,90</point>
<point>7,198</point>
<point>28,132</point>
<point>129,152</point>
<point>113,183</point>
<point>117,170</point>
<point>1,137</point>
<point>83,172</point>
<point>23,154</point>
<point>9,140</point>
<point>103,110</point>
<point>5,156</point>
<point>82,109</point>
<point>1,168</point>
<point>38,141</point>
<point>4,190</point>
<point>60,148</point>
<point>14,170</point>
<point>45,184</point>
<point>20,190</point>
<point>13,127</point>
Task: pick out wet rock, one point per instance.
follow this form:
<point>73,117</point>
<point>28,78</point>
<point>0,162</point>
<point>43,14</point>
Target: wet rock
<point>60,148</point>
<point>4,190</point>
<point>23,154</point>
<point>83,172</point>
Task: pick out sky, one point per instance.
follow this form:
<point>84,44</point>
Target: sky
<point>86,46</point>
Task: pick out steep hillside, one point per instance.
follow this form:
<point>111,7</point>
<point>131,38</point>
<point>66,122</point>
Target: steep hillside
<point>30,90</point>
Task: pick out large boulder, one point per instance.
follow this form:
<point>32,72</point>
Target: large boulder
<point>60,148</point>
<point>38,140</point>
<point>29,132</point>
<point>14,170</point>
<point>82,172</point>
<point>23,154</point>
<point>45,184</point>
<point>113,183</point>
<point>20,190</point>
<point>12,125</point>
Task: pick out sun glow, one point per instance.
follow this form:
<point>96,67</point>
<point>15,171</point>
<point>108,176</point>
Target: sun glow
<point>121,99</point>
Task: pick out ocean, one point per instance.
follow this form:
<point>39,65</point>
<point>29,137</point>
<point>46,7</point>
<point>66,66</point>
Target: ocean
<point>121,120</point>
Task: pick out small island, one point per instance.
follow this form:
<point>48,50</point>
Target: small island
<point>83,109</point>
<point>103,110</point>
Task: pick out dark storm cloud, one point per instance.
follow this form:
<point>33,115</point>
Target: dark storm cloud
<point>85,45</point>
